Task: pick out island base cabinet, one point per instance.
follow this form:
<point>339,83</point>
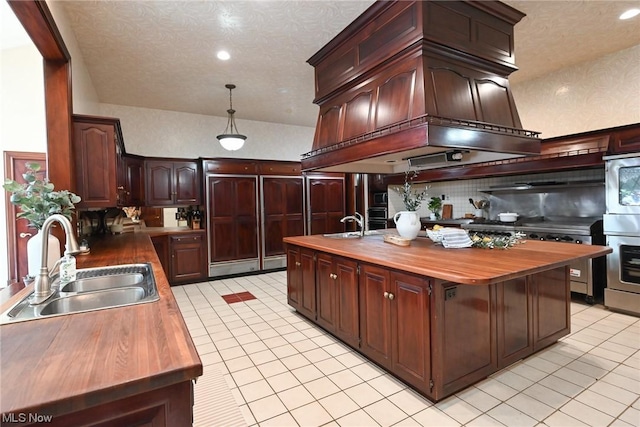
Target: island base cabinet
<point>463,336</point>
<point>301,281</point>
<point>170,406</point>
<point>337,297</point>
<point>514,322</point>
<point>551,306</point>
<point>394,319</point>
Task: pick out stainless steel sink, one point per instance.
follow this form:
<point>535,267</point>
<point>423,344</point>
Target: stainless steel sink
<point>354,234</point>
<point>103,282</point>
<point>94,289</point>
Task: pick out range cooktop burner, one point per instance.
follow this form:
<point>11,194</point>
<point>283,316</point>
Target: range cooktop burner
<point>559,228</point>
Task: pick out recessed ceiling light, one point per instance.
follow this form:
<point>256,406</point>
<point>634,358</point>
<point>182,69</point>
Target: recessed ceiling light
<point>630,14</point>
<point>223,55</point>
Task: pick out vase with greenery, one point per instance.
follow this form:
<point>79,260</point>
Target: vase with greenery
<point>408,221</point>
<point>37,200</point>
<point>435,205</point>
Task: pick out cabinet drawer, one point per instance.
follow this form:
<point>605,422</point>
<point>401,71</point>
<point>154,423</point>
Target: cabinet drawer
<point>230,166</point>
<point>186,238</point>
<point>280,168</point>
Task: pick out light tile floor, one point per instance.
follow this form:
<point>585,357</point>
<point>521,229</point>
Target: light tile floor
<point>266,365</point>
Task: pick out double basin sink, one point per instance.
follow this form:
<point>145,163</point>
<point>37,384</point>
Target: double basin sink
<point>93,289</point>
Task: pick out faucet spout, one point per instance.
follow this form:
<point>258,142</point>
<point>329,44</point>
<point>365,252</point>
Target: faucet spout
<point>358,219</point>
<point>42,286</point>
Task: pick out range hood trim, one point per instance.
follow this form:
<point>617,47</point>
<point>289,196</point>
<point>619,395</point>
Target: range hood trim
<point>424,131</point>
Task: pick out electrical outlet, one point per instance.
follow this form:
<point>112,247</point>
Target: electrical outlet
<point>449,293</point>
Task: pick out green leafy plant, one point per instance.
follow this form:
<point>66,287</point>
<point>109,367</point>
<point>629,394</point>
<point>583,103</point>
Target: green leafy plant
<point>412,199</point>
<point>435,204</point>
<point>37,199</point>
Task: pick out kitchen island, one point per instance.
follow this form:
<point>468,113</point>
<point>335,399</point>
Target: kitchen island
<point>121,366</point>
<point>439,319</point>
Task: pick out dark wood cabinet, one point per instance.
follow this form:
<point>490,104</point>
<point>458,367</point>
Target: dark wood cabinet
<point>98,146</point>
<point>337,296</point>
<point>301,280</point>
<point>282,214</point>
<point>395,322</point>
<point>514,322</point>
<point>326,203</point>
<point>133,191</point>
<point>375,314</point>
<point>626,140</point>
<point>172,183</point>
<point>188,258</point>
<point>161,245</point>
<point>551,315</point>
<point>232,208</point>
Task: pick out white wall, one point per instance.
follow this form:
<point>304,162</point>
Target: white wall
<point>589,96</point>
<point>22,118</point>
<point>173,134</point>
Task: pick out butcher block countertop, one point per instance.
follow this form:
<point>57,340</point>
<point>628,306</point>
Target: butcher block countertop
<point>68,363</point>
<point>471,266</point>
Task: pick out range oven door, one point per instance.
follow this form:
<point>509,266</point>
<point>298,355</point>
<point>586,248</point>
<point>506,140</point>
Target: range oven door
<point>622,179</point>
<point>623,264</point>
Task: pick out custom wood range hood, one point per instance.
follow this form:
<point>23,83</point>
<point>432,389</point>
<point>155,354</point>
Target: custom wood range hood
<point>425,80</point>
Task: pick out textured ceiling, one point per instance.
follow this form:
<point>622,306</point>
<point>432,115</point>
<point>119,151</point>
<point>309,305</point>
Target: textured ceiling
<point>161,54</point>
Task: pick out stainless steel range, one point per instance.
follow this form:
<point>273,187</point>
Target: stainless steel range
<point>588,276</point>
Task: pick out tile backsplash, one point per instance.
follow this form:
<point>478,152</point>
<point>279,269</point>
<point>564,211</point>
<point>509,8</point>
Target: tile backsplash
<point>457,193</point>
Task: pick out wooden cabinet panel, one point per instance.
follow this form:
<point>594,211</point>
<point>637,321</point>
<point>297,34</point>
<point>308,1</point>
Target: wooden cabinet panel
<point>551,309</point>
<point>161,245</point>
<point>282,212</point>
<point>134,181</point>
<point>96,152</point>
<point>326,292</point>
<point>466,338</point>
<point>514,321</point>
<point>172,183</point>
<point>337,296</point>
<point>375,314</point>
<point>186,183</point>
<point>188,258</point>
<point>410,328</point>
<point>233,217</point>
<point>326,204</point>
<point>159,183</point>
<point>626,140</point>
<point>301,280</point>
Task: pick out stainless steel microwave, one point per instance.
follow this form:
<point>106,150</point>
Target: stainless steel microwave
<point>622,177</point>
<point>380,199</point>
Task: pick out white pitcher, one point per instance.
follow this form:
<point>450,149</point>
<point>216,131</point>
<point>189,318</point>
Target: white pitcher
<point>407,224</point>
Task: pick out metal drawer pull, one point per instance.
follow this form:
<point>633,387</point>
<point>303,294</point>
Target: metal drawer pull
<point>391,296</point>
<point>23,235</point>
<point>386,294</point>
<point>298,264</point>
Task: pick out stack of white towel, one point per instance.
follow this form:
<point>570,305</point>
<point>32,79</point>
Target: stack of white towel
<point>455,238</point>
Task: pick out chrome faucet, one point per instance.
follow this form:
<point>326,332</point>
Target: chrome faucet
<point>358,219</point>
<point>42,286</point>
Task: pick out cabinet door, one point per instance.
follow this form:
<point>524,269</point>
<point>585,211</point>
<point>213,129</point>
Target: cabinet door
<point>282,212</point>
<point>233,217</point>
<point>134,181</point>
<point>514,321</point>
<point>375,320</point>
<point>159,183</point>
<point>186,183</point>
<point>188,259</point>
<point>95,157</point>
<point>326,202</point>
<point>161,245</point>
<point>551,306</point>
<point>294,276</point>
<point>346,323</point>
<point>308,300</point>
<point>410,328</point>
<point>326,283</point>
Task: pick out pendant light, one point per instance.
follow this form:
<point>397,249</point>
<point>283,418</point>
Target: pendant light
<point>231,140</point>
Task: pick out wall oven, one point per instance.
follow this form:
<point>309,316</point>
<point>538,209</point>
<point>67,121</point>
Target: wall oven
<point>377,218</point>
<point>622,229</point>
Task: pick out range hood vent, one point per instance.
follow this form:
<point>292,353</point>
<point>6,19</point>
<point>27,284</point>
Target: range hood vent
<point>402,81</point>
<point>420,162</point>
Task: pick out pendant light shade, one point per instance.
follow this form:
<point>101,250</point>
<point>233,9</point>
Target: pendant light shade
<point>231,140</point>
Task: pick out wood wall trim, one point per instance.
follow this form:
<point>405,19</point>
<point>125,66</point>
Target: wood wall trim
<point>38,22</point>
